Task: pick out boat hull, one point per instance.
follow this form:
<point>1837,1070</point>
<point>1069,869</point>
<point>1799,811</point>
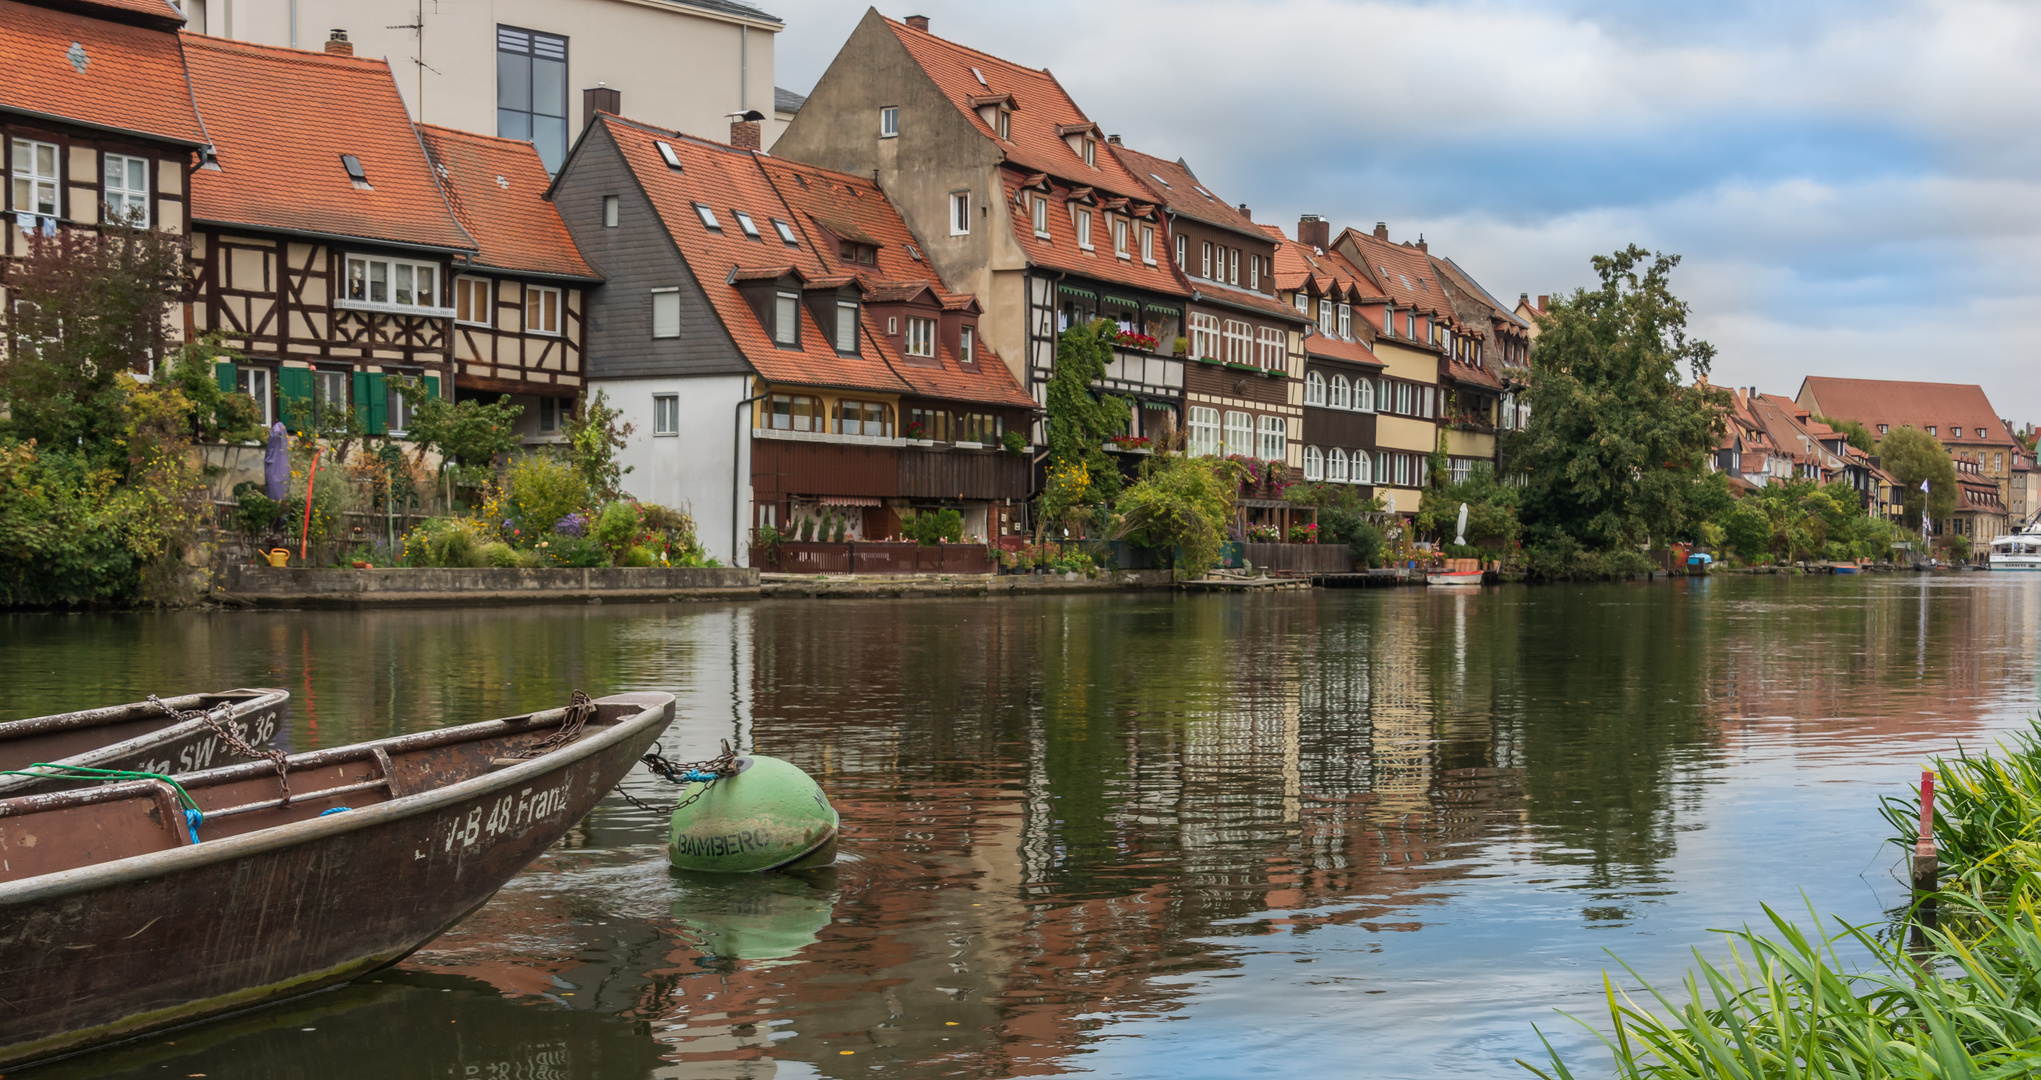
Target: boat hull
<point>1454,578</point>
<point>121,949</point>
<point>137,737</point>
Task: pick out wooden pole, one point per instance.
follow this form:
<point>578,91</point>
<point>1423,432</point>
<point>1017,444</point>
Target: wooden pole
<point>1926,860</point>
<point>305,531</point>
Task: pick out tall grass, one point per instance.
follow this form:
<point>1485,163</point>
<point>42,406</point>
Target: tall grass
<point>1962,1000</point>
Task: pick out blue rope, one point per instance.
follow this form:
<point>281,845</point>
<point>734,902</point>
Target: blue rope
<point>698,775</point>
<point>330,811</point>
<point>192,820</point>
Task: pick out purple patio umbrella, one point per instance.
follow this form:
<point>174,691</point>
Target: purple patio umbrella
<point>276,464</point>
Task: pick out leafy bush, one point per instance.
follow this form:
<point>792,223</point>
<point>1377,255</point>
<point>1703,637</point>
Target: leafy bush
<point>1181,504</point>
<point>594,438</point>
<point>542,490</point>
<point>255,514</point>
<point>671,533</point>
<point>1563,559</point>
<point>931,527</point>
<point>61,532</point>
<point>447,542</point>
<point>618,528</point>
<point>574,551</point>
<point>640,556</point>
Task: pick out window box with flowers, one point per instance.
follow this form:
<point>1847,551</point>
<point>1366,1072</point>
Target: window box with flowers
<point>1136,444</point>
<point>916,430</point>
<point>1128,339</point>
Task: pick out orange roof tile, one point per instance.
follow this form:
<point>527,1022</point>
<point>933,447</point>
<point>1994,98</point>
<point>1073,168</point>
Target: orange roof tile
<point>131,79</point>
<point>729,180</point>
<point>1059,249</point>
<point>1042,112</point>
<point>495,188</point>
<point>1895,403</point>
<point>283,118</point>
<point>1176,187</point>
<point>159,14</point>
<point>1297,266</point>
<point>1404,273</point>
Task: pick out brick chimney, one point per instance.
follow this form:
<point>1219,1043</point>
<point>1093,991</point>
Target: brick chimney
<point>744,134</point>
<point>600,98</point>
<point>1249,214</point>
<point>1314,231</point>
<point>1541,302</point>
<point>1114,140</point>
<point>1421,244</point>
<point>1382,230</point>
<point>338,45</point>
<point>917,22</point>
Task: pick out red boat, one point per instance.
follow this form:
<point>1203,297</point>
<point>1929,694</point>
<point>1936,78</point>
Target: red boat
<point>136,906</point>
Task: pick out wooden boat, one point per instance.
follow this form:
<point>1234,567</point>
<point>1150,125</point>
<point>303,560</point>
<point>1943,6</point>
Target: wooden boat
<point>1452,577</point>
<point>140,736</point>
<point>119,917</point>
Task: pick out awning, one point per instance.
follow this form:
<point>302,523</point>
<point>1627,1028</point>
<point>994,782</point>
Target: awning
<point>849,500</point>
<point>1163,309</point>
<point>1122,301</point>
<point>1072,290</point>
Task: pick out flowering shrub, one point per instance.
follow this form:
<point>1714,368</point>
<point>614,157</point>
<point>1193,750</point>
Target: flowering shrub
<point>1264,534</point>
<point>1132,340</point>
<point>574,524</point>
<point>1304,534</point>
<point>1132,442</point>
<point>915,429</point>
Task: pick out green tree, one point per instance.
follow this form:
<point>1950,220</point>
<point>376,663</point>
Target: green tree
<point>1914,457</point>
<point>1618,435</point>
<point>1181,504</point>
<point>1855,434</point>
<point>1491,510</point>
<point>1080,419</point>
<point>594,438</point>
<point>466,431</point>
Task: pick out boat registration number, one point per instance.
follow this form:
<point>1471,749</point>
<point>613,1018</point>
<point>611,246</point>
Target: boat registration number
<point>489,819</point>
<point>255,731</point>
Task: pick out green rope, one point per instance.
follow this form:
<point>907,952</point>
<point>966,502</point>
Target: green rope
<point>192,817</point>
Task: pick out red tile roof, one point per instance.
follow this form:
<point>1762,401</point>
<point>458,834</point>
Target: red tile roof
<point>728,180</point>
<point>133,78</point>
<point>1299,265</point>
<point>1404,273</point>
<point>495,187</point>
<point>283,118</point>
<point>157,13</point>
<point>1173,184</point>
<point>1060,251</point>
<point>1944,406</point>
<point>1463,372</point>
<point>1043,110</point>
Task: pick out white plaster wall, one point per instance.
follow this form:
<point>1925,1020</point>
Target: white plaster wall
<point>696,469</point>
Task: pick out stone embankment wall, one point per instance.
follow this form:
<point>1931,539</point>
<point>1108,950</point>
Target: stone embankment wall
<point>269,586</point>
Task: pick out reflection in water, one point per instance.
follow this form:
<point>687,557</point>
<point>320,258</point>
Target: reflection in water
<point>1396,827</point>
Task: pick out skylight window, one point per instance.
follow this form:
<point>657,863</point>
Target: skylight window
<point>786,232</point>
<point>980,76</point>
<point>708,217</point>
<point>744,222</point>
<point>1163,182</point>
<point>1205,193</point>
<point>913,252</point>
<point>354,170</point>
<point>666,153</point>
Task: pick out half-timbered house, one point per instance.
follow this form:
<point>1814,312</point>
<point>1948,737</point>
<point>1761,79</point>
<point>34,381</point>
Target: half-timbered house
<point>782,345</point>
<point>520,301</point>
<point>323,247</point>
<point>1342,375</point>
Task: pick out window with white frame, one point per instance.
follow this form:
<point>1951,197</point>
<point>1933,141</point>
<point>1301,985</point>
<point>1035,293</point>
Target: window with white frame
<point>1314,388</point>
<point>889,121</point>
<point>1204,336</point>
<point>1336,465</point>
<point>126,190</point>
<point>1361,472</point>
<point>375,280</point>
<point>1180,245</point>
<point>473,301</point>
<point>1302,301</point>
<point>968,344</point>
<point>1462,467</point>
<point>1389,321</point>
<point>35,178</point>
<point>665,313</point>
<point>1508,419</point>
<point>610,212</point>
<point>1239,342</point>
<point>1206,263</point>
<point>1148,244</point>
<point>665,414</point>
<point>786,319</point>
<point>1274,438</point>
<point>1204,431</point>
<point>1364,395</point>
<point>1422,466</point>
<point>1272,348</point>
<point>255,382</point>
<point>920,336</point>
<point>1426,410</point>
<point>1382,471</point>
<point>1314,463</point>
<point>846,327</point>
<point>541,309</point>
<point>1039,209</point>
<point>1233,266</point>
<point>400,410</point>
<point>1240,433</point>
<point>1006,125</point>
<point>960,213</point>
<point>1120,238</point>
<point>1084,229</point>
<point>1325,316</point>
<point>1346,320</point>
<point>1254,272</point>
<point>1342,392</point>
<point>1091,152</point>
<point>329,391</point>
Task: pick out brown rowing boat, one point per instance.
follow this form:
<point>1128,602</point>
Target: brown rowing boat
<point>115,923</point>
<point>141,736</point>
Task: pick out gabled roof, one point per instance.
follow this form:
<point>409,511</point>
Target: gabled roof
<point>1453,275</point>
<point>282,119</point>
<point>1175,187</point>
<point>1299,266</point>
<point>157,14</point>
<point>96,72</point>
<point>1895,403</point>
<point>729,180</point>
<point>1042,109</point>
<point>495,188</point>
<point>1404,273</point>
<point>1059,249</point>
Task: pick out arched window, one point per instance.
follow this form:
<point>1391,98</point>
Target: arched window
<point>1342,393</point>
<point>1314,463</point>
<point>1363,471</point>
<point>1335,465</point>
<point>1364,395</point>
<point>1314,388</point>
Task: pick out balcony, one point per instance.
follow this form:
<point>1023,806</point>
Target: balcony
<point>816,463</point>
<point>1132,371</point>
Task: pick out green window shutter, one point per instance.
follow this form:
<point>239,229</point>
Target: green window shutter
<point>293,384</point>
<point>379,404</point>
<point>432,386</point>
<point>224,371</point>
<point>362,415</point>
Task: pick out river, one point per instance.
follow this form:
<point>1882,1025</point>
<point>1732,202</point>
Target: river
<point>1375,833</point>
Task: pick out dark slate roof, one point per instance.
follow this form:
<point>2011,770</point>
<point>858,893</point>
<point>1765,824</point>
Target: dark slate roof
<point>785,100</point>
<point>727,7</point>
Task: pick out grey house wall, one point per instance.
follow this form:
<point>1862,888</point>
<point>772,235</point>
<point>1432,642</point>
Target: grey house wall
<point>634,258</point>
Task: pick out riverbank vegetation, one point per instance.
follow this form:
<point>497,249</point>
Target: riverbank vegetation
<point>1961,999</point>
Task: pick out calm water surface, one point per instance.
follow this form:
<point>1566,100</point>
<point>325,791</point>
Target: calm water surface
<point>1369,833</point>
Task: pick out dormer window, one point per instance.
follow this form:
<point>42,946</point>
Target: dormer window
<point>1038,210</point>
<point>667,155</point>
<point>968,345</point>
<point>920,337</point>
<point>1148,244</point>
<point>1180,251</point>
<point>1325,316</point>
<point>1091,152</point>
<point>1346,320</point>
<point>1084,229</point>
<point>786,232</point>
<point>708,217</point>
<point>1120,238</point>
<point>846,327</point>
<point>786,319</point>
<point>355,173</point>
<point>1303,302</point>
<point>1005,126</point>
<point>851,251</point>
<point>744,222</point>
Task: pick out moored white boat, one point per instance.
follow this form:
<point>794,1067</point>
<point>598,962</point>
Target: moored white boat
<point>1453,577</point>
<point>2018,551</point>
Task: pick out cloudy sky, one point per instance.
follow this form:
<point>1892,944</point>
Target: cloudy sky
<point>1852,186</point>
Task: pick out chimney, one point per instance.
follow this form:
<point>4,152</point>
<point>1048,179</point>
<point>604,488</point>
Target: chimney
<point>1420,243</point>
<point>744,134</point>
<point>1245,212</point>
<point>1541,302</point>
<point>918,22</point>
<point>1114,140</point>
<point>338,45</point>
<point>1314,231</point>
<point>600,98</point>
<point>1382,230</point>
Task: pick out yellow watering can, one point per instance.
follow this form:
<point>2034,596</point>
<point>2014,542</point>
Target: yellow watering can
<point>279,556</point>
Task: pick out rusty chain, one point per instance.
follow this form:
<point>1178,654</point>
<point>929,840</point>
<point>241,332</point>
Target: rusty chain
<point>580,710</point>
<point>234,742</point>
<point>706,772</point>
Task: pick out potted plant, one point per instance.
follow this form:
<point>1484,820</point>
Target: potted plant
<point>1015,443</point>
<point>915,429</point>
<point>1129,339</point>
<point>1181,347</point>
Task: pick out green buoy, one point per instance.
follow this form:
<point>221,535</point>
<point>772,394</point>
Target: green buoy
<point>761,814</point>
<point>758,917</point>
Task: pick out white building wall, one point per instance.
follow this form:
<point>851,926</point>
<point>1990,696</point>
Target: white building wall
<point>699,469</point>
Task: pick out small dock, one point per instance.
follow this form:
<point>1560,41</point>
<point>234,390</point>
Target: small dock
<point>1226,583</point>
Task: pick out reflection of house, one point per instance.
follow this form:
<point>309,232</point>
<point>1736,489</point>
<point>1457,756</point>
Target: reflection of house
<point>1015,196</point>
<point>776,334</point>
